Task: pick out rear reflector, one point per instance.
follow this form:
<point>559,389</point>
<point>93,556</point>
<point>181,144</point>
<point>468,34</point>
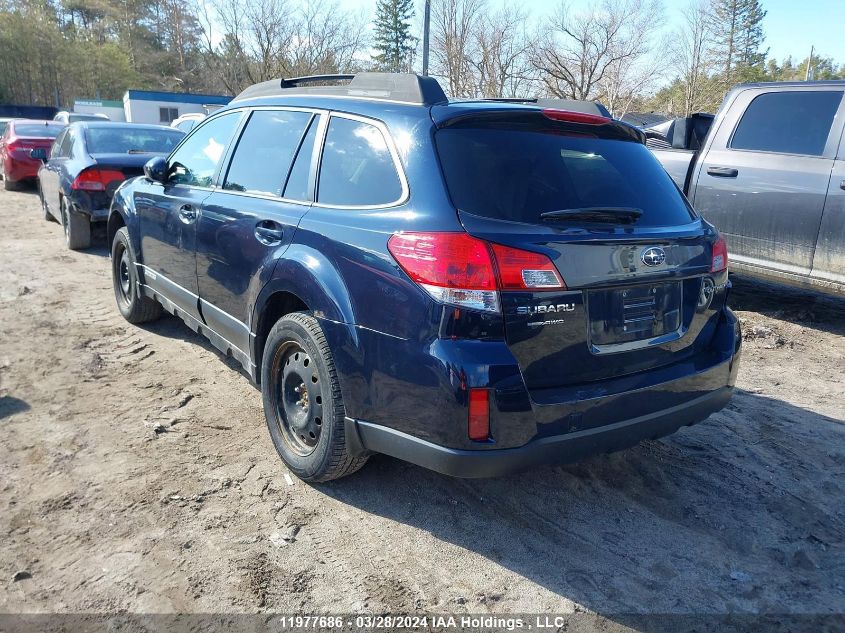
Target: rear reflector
<point>94,179</point>
<point>478,420</point>
<point>576,117</point>
<point>719,262</point>
<point>462,270</point>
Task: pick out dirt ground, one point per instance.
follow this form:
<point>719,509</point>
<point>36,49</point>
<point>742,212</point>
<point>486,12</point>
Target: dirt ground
<point>136,475</point>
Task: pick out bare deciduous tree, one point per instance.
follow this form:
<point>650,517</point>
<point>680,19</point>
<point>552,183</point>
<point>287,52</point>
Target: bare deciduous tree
<point>479,51</point>
<point>503,67</point>
<point>266,39</point>
<point>579,53</point>
<point>454,24</point>
<point>689,50</point>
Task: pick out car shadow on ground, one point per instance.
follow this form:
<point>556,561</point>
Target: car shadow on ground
<point>9,405</point>
<point>739,514</point>
<point>173,327</point>
<point>807,308</point>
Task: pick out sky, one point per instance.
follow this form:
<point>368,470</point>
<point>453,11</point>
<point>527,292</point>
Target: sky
<point>791,26</point>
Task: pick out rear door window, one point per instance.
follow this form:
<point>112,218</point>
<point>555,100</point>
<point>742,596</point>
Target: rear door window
<point>792,122</point>
<point>516,175</point>
<point>357,168</point>
<point>196,160</point>
<point>298,184</point>
<point>265,151</point>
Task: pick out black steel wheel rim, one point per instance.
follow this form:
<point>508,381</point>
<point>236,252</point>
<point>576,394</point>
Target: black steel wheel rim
<point>298,398</point>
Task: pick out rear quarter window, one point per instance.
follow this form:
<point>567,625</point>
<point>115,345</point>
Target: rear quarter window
<point>357,168</point>
<point>517,175</point>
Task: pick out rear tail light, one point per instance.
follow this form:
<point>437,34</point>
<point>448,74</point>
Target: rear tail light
<point>96,179</point>
<point>575,117</point>
<point>525,270</point>
<point>478,418</point>
<point>452,267</point>
<point>719,261</point>
<point>462,270</point>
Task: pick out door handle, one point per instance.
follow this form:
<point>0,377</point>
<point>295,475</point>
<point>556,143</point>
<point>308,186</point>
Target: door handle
<point>723,172</point>
<point>187,213</point>
<point>269,233</point>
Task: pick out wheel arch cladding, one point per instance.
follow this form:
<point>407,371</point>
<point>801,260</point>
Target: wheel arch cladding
<point>122,213</point>
<point>115,223</point>
<point>303,280</point>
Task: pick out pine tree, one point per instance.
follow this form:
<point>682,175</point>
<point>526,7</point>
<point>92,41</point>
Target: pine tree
<point>725,19</point>
<point>737,27</point>
<point>393,39</point>
<point>751,34</point>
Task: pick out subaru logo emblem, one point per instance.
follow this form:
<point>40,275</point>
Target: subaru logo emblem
<point>653,256</point>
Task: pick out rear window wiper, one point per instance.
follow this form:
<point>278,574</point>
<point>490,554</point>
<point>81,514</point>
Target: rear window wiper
<point>594,214</point>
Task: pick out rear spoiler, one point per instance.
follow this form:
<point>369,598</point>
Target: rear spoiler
<point>535,117</point>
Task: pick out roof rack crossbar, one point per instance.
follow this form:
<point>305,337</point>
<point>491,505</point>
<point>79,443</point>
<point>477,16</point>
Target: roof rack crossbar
<point>295,82</point>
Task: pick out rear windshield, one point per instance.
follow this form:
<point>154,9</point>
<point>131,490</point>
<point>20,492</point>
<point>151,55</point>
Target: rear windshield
<point>40,130</point>
<point>517,175</point>
<point>73,117</point>
<point>123,140</point>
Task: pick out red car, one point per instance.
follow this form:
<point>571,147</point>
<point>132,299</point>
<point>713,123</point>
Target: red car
<point>21,137</point>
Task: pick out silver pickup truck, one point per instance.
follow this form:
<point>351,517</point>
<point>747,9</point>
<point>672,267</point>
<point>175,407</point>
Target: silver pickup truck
<point>769,172</point>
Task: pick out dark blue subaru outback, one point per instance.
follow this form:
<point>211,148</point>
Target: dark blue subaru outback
<point>473,286</point>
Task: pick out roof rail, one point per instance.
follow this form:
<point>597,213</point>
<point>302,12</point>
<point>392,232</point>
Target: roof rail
<point>296,82</point>
<point>403,87</point>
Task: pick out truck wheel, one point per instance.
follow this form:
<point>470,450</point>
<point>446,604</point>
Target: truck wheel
<point>77,228</point>
<point>302,401</point>
<point>10,185</point>
<point>134,307</point>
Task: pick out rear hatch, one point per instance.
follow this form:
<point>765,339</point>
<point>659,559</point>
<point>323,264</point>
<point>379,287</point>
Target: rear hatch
<point>634,258</point>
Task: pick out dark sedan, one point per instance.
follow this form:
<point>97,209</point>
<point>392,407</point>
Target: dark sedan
<point>87,163</point>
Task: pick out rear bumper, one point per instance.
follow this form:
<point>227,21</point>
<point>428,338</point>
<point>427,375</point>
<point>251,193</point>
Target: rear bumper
<point>558,449</point>
<point>569,431</point>
<point>21,169</point>
<point>93,204</point>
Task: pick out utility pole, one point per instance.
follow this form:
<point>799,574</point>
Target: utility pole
<point>426,29</point>
<point>809,64</point>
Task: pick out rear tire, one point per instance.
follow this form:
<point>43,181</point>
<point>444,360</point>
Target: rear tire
<point>77,228</point>
<point>134,307</point>
<point>10,185</point>
<point>303,404</point>
<point>47,215</point>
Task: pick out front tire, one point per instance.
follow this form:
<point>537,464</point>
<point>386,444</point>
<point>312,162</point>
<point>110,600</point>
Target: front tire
<point>10,185</point>
<point>134,307</point>
<point>303,404</point>
<point>77,228</point>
